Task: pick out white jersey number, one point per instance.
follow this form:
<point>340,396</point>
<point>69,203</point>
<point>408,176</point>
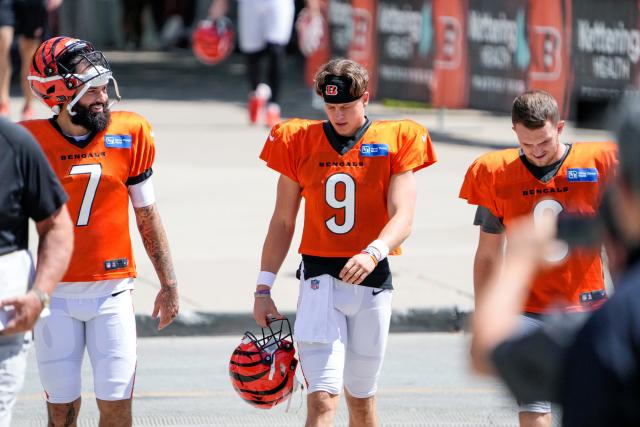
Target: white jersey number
<point>348,203</point>
<point>555,207</point>
<point>95,172</point>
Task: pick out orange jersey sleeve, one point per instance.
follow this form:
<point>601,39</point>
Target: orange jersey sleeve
<point>415,149</point>
<point>279,151</point>
<point>144,151</point>
<point>478,187</point>
<point>95,174</point>
<point>345,194</point>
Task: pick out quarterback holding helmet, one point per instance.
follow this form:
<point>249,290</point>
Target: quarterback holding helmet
<point>103,159</point>
<point>357,179</point>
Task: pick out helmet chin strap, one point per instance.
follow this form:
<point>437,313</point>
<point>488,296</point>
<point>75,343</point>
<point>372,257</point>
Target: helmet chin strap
<point>87,86</point>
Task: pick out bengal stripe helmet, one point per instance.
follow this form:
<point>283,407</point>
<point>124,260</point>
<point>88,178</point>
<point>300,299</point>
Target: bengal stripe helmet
<point>262,370</point>
<point>64,68</point>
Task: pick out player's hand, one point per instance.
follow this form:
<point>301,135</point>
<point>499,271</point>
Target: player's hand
<point>217,9</point>
<point>357,268</point>
<point>167,305</point>
<point>265,309</point>
<point>27,310</point>
<point>531,241</point>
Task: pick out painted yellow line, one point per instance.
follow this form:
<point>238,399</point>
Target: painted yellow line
<point>214,393</point>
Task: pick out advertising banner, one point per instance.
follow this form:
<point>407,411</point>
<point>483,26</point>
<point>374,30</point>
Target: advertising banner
<point>352,34</point>
<point>549,33</point>
<point>322,55</point>
<point>483,53</point>
<point>406,49</point>
<point>499,53</point>
<point>450,83</point>
<point>606,48</point>
<point>363,44</point>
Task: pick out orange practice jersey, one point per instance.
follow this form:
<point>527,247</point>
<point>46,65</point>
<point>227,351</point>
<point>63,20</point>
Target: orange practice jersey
<point>345,195</point>
<point>96,178</point>
<point>501,182</point>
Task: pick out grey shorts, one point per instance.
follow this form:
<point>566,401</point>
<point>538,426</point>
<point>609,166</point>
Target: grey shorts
<point>13,363</point>
<point>529,324</point>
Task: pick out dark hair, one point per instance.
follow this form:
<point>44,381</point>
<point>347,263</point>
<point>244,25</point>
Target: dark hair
<point>347,68</point>
<point>533,108</point>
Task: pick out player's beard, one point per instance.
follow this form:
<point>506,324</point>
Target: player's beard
<point>94,122</point>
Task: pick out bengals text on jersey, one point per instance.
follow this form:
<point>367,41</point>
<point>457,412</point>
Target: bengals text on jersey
<point>95,174</point>
<point>501,182</point>
<point>345,194</point>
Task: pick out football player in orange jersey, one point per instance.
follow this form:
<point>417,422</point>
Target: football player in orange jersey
<point>543,176</point>
<point>357,179</point>
<point>103,159</point>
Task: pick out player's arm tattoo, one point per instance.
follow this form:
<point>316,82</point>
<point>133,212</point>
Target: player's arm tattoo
<point>155,242</point>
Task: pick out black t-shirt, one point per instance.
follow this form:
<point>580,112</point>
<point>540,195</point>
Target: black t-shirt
<point>28,186</point>
<point>601,375</point>
<point>488,222</point>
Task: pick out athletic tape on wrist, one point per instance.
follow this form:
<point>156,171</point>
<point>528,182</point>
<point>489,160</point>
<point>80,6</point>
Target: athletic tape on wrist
<point>380,247</point>
<point>266,278</point>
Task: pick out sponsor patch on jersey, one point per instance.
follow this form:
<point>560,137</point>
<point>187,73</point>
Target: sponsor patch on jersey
<point>374,150</point>
<point>582,175</point>
<point>117,141</point>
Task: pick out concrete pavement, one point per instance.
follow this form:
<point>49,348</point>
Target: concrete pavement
<point>182,382</point>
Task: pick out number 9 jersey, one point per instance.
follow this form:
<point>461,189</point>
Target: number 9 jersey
<point>96,173</point>
<point>345,187</point>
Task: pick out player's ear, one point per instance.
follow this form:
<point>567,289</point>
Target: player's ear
<point>365,98</point>
<point>560,126</point>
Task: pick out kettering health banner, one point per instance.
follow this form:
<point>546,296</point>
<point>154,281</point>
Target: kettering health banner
<point>482,53</point>
<point>606,48</point>
<point>405,49</point>
<point>499,54</point>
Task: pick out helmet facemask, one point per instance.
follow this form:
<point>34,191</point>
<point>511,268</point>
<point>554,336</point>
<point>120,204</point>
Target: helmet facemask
<point>95,71</point>
<point>262,370</point>
<point>80,68</point>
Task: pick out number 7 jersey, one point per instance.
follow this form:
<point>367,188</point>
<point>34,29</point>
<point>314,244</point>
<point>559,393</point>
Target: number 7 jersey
<point>96,174</point>
<point>345,192</point>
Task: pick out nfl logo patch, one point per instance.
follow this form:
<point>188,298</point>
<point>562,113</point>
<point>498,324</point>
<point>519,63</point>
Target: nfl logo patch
<point>315,284</point>
<point>331,90</point>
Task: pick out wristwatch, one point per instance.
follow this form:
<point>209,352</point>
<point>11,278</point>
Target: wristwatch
<point>42,296</point>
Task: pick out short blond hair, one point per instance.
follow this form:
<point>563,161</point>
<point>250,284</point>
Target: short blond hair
<point>344,68</point>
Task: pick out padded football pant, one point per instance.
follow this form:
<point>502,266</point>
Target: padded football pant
<point>106,326</point>
<point>353,360</point>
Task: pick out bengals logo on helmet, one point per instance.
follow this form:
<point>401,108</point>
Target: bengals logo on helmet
<point>64,68</point>
<point>331,90</point>
<point>262,370</point>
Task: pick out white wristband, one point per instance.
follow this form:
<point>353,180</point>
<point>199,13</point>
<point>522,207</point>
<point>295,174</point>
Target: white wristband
<point>266,278</point>
<point>380,247</point>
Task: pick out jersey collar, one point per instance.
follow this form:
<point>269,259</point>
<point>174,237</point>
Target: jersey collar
<point>342,144</point>
<point>80,144</point>
<point>545,173</point>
